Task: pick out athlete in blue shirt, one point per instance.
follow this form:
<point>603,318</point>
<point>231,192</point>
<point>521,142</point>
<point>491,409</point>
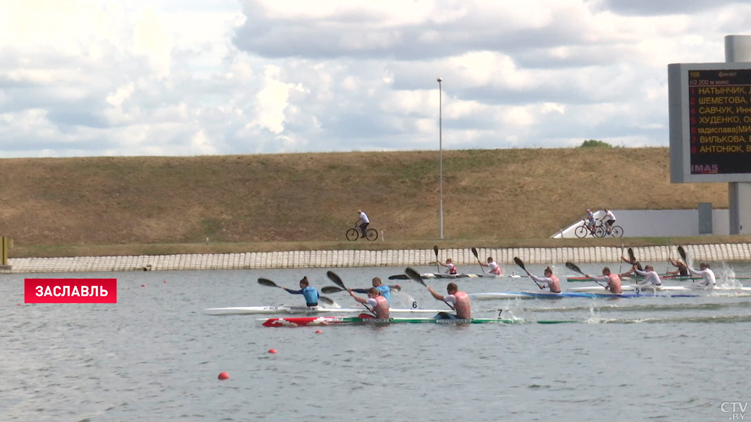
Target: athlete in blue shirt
<point>310,293</point>
<point>378,284</point>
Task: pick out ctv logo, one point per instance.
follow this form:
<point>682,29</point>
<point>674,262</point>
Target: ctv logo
<point>736,410</point>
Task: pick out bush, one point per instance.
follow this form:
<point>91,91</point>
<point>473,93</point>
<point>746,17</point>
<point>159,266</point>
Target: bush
<point>592,143</point>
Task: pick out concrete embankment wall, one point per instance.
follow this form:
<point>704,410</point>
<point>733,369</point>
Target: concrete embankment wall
<point>392,258</point>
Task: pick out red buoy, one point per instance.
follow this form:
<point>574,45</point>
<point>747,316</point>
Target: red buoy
<point>143,285</point>
<point>272,351</point>
<point>318,331</point>
<point>223,376</point>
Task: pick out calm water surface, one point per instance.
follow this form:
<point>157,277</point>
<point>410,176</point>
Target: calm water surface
<point>154,356</point>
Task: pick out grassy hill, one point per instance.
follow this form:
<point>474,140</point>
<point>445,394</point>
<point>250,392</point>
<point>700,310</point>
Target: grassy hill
<point>490,196</point>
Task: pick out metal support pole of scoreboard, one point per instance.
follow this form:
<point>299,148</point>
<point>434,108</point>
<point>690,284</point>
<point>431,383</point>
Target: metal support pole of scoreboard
<point>738,49</point>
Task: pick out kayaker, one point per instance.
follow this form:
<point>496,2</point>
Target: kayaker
<point>362,222</point>
<point>310,293</point>
<point>494,268</point>
<point>634,263</point>
<point>614,282</point>
<point>707,273</point>
<point>552,281</point>
<point>450,267</point>
<point>650,275</point>
<point>378,284</point>
<point>378,304</point>
<point>682,268</point>
<point>458,301</point>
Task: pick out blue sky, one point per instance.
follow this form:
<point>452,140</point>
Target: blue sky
<point>200,77</point>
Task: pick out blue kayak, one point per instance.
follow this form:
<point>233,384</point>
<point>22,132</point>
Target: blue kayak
<point>548,295</point>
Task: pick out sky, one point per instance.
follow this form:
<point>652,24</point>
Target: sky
<point>219,77</point>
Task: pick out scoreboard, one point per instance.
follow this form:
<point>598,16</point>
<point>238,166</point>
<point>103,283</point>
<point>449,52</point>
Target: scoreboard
<point>710,122</point>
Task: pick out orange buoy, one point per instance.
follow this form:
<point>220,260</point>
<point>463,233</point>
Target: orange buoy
<point>223,376</point>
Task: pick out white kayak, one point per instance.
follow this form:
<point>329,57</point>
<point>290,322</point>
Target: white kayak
<point>304,310</point>
<point>663,288</point>
<point>448,276</point>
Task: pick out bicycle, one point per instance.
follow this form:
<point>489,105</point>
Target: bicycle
<point>354,234</point>
<point>615,231</point>
<point>595,231</point>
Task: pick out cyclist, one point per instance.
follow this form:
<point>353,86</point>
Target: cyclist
<point>609,220</point>
<point>590,221</point>
<point>362,222</point>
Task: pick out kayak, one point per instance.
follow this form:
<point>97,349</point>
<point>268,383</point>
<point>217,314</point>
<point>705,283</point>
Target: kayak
<point>331,320</point>
<point>663,288</point>
<point>305,310</point>
<point>663,277</point>
<point>563,295</point>
<point>449,276</point>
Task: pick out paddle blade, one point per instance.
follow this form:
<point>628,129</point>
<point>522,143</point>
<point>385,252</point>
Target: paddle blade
<point>520,263</point>
<point>266,282</point>
<point>335,278</point>
<point>682,252</point>
<point>571,266</point>
<point>331,289</point>
<point>435,249</point>
<point>327,301</point>
<point>631,255</point>
<point>414,275</point>
<point>474,252</point>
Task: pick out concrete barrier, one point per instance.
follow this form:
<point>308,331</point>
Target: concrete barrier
<point>390,258</point>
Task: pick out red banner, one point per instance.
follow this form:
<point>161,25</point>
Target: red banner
<point>70,290</point>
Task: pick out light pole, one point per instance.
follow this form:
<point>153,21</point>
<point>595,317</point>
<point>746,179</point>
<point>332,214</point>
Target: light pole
<point>440,160</point>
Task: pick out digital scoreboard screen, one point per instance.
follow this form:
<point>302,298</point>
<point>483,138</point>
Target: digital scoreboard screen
<point>720,121</point>
<point>710,122</point>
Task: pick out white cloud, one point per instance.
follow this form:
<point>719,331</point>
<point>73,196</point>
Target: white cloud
<point>171,77</point>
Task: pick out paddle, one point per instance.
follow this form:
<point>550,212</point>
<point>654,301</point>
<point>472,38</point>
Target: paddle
<point>334,289</point>
<point>437,268</point>
<point>338,281</point>
<point>520,263</point>
<point>632,257</point>
<point>268,283</point>
<point>414,275</point>
<point>571,266</point>
<point>474,252</point>
<point>682,253</point>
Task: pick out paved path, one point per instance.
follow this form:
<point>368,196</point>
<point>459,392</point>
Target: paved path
<point>391,258</point>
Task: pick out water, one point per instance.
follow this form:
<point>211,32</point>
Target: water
<point>154,356</point>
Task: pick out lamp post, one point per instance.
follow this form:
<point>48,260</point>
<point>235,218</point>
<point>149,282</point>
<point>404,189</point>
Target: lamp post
<point>440,160</point>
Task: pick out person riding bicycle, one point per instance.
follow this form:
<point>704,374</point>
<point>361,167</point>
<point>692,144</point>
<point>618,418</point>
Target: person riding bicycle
<point>590,221</point>
<point>609,220</point>
<point>362,222</point>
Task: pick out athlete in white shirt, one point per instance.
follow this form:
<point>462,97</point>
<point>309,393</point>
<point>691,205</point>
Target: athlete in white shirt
<point>608,219</point>
<point>494,268</point>
<point>709,277</point>
<point>362,222</point>
<point>650,274</point>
